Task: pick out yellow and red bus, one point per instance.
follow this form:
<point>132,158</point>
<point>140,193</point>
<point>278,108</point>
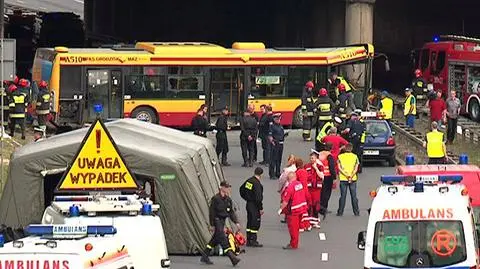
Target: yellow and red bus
<point>166,83</point>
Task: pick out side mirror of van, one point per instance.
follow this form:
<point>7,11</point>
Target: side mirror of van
<point>394,133</point>
<point>362,237</point>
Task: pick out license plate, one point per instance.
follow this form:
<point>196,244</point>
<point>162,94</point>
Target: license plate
<point>371,152</point>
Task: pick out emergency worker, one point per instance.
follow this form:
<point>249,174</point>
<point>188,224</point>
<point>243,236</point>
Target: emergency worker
<point>252,192</point>
<point>200,123</point>
<point>356,132</point>
<point>294,205</point>
<point>410,108</point>
<point>43,105</point>
<point>336,140</point>
<point>308,109</point>
<point>263,128</point>
<point>319,144</point>
<point>386,106</point>
<point>251,109</point>
<point>348,167</point>
<point>24,87</point>
<point>37,134</point>
<point>324,107</point>
<point>18,108</point>
<point>419,85</point>
<point>222,141</point>
<point>221,208</point>
<point>276,137</point>
<point>435,145</point>
<point>248,137</point>
<point>329,177</point>
<point>302,176</point>
<point>315,181</point>
<point>335,80</point>
<point>345,102</point>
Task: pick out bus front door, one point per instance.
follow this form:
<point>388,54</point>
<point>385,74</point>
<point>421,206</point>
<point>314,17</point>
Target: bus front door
<point>104,87</point>
<point>226,90</point>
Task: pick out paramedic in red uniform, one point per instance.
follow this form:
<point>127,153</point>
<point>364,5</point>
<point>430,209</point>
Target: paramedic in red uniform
<point>294,205</point>
<point>302,176</point>
<point>315,178</point>
<point>329,177</point>
<point>337,142</point>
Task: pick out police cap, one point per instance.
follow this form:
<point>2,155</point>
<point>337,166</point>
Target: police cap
<point>337,120</point>
<point>407,89</point>
<point>225,184</point>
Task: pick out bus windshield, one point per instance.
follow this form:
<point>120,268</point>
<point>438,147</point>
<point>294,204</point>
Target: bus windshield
<point>408,244</point>
<point>43,65</point>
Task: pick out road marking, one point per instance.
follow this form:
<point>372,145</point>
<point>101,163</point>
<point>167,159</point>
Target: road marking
<point>324,257</point>
<point>322,236</point>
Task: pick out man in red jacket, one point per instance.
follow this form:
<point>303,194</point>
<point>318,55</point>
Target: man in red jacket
<point>336,140</point>
<point>294,205</point>
<point>302,176</point>
<point>315,180</point>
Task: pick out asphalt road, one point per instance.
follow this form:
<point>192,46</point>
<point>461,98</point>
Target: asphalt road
<point>332,246</point>
<point>75,6</point>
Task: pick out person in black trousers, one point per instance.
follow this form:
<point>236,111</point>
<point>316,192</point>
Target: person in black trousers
<point>221,208</point>
<point>328,179</point>
<point>252,192</point>
<point>251,109</point>
<point>248,138</point>
<point>263,128</point>
<point>276,137</point>
<point>222,142</point>
<point>200,123</point>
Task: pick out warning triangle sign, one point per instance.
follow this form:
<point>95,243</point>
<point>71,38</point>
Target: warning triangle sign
<point>98,165</point>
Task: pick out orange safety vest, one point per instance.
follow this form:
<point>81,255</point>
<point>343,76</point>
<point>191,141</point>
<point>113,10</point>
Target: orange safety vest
<point>326,169</point>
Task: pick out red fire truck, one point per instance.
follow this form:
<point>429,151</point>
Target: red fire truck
<point>453,62</point>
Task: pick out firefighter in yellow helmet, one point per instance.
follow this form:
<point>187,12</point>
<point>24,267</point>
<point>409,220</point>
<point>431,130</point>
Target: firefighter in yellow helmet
<point>435,145</point>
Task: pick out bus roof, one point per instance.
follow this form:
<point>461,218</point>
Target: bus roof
<point>197,53</point>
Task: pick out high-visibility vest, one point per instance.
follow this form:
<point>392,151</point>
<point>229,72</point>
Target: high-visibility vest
<point>18,105</point>
<point>435,144</point>
<point>324,130</point>
<point>326,168</point>
<point>408,105</point>
<point>387,107</point>
<point>324,109</point>
<point>347,162</point>
<point>43,102</point>
<point>345,83</point>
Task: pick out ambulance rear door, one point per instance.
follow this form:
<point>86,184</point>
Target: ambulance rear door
<point>23,260</point>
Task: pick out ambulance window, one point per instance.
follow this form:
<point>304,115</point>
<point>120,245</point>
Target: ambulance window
<point>448,242</point>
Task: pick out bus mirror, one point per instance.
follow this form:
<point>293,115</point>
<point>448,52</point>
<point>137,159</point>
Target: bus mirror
<point>387,65</point>
<point>361,240</point>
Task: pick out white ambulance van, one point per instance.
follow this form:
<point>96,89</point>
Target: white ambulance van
<point>420,222</point>
<point>101,231</point>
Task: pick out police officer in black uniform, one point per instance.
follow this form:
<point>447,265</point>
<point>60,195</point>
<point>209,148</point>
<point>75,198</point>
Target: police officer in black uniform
<point>308,107</point>
<point>43,105</point>
<point>251,109</point>
<point>221,208</point>
<point>200,123</point>
<point>263,128</point>
<point>355,129</point>
<point>18,108</point>
<point>276,136</point>
<point>252,192</point>
<point>222,141</point>
<point>248,137</point>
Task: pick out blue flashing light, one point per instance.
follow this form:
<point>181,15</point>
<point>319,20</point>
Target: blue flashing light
<point>409,160</point>
<point>74,211</point>
<point>98,108</point>
<point>2,240</point>
<point>436,39</point>
<point>391,179</point>
<point>42,230</point>
<point>146,209</point>
<point>463,159</point>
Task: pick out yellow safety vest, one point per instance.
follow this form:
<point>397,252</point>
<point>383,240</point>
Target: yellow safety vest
<point>347,162</point>
<point>387,107</point>
<point>407,106</point>
<point>345,83</point>
<point>324,130</point>
<point>435,144</point>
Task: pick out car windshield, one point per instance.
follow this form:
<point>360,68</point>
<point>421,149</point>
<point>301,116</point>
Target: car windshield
<point>408,244</point>
<point>376,128</point>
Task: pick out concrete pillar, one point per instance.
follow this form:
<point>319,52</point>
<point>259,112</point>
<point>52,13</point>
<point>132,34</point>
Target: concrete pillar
<point>358,29</point>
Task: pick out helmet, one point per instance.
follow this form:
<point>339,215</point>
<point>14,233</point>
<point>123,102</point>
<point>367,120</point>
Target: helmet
<point>43,84</point>
<point>12,88</point>
<point>309,85</point>
<point>341,87</point>
<point>15,80</point>
<point>322,92</point>
<point>23,82</point>
<point>418,73</point>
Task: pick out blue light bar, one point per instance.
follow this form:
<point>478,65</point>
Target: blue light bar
<point>42,230</point>
<point>391,179</point>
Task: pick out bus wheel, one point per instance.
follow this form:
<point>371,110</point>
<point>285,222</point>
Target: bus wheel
<point>145,114</point>
<point>297,118</point>
<point>474,110</point>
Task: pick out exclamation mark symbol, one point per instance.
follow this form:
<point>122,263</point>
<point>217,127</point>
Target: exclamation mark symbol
<point>98,136</point>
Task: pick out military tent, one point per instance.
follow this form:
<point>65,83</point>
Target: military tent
<point>184,169</point>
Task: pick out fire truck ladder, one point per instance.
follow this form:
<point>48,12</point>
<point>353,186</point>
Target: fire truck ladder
<point>459,38</point>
